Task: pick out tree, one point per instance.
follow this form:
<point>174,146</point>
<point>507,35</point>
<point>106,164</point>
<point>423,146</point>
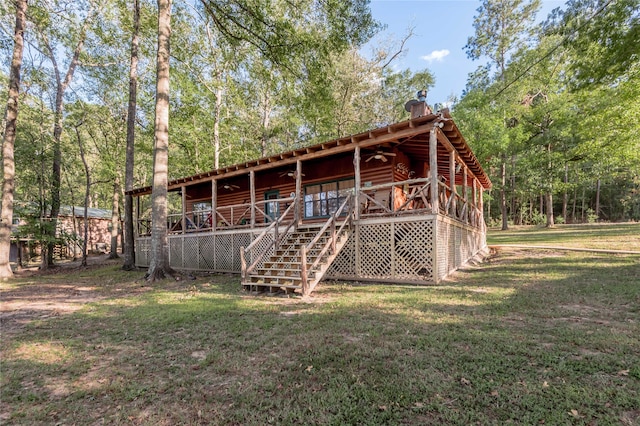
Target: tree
<point>603,37</point>
<point>8,141</point>
<point>128,244</point>
<point>61,85</point>
<point>501,27</point>
<point>159,263</point>
<point>295,37</point>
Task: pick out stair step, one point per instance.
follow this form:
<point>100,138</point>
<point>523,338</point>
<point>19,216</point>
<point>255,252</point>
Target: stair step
<point>271,280</point>
<point>281,270</point>
<point>250,286</point>
<point>281,273</point>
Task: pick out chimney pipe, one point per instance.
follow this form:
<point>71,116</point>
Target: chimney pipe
<point>419,107</point>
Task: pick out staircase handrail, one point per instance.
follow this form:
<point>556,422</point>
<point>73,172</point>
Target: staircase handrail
<point>330,222</point>
<point>275,224</point>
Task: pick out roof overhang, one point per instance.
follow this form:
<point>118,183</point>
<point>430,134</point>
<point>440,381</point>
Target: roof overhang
<point>403,133</point>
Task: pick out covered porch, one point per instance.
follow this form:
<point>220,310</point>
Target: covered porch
<point>401,182</point>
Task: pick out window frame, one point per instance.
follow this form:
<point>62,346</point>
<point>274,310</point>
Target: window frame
<point>327,203</point>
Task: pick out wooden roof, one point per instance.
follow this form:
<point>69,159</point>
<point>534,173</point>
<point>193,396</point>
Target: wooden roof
<point>411,136</point>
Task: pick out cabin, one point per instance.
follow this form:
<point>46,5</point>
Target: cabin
<point>399,204</point>
<point>70,231</point>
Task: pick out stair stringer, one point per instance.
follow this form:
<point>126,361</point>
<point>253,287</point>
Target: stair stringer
<point>323,267</point>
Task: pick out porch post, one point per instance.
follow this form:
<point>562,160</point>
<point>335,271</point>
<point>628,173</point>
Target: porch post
<point>452,184</point>
<point>183,193</point>
<point>252,191</point>
<point>356,168</point>
<point>474,193</point>
<point>465,176</point>
<point>214,204</point>
<point>137,222</point>
<point>481,207</point>
<point>433,166</point>
<point>297,217</point>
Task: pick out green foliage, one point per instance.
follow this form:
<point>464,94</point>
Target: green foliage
<point>550,114</point>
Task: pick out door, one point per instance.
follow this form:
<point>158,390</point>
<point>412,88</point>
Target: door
<point>271,209</point>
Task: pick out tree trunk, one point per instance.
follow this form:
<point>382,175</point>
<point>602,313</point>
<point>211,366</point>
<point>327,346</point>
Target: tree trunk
<point>565,194</point>
<point>597,212</point>
<point>74,221</point>
<point>512,184</point>
<point>541,205</point>
<point>159,262</point>
<point>583,206</point>
<point>8,142</point>
<point>549,203</point>
<point>87,191</point>
<point>61,88</point>
<point>503,195</point>
<point>216,127</point>
<point>115,219</point>
<point>129,239</point>
<point>266,116</point>
<point>575,202</point>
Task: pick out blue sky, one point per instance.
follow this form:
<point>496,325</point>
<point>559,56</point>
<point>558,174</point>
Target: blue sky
<point>441,32</point>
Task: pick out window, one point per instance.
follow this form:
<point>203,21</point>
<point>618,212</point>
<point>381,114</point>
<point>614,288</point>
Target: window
<point>202,213</point>
<point>324,199</point>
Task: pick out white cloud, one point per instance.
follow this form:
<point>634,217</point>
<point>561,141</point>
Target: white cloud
<point>436,55</point>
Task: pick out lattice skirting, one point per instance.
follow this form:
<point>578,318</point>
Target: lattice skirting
<point>398,251</point>
<point>204,252</point>
<point>405,249</point>
<point>457,244</point>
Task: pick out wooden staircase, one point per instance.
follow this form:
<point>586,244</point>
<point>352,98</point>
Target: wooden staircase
<point>282,271</point>
<point>299,259</point>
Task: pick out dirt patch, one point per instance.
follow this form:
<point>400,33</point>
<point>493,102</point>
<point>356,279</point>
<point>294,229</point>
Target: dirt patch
<point>42,299</point>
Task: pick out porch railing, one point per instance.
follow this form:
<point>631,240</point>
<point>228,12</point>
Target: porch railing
<point>226,217</point>
<point>329,245</point>
<point>414,195</point>
<point>389,199</point>
<point>277,238</point>
<point>395,197</point>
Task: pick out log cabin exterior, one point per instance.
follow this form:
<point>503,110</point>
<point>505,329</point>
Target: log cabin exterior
<point>401,203</point>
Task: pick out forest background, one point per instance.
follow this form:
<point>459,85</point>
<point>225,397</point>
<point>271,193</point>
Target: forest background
<point>552,112</point>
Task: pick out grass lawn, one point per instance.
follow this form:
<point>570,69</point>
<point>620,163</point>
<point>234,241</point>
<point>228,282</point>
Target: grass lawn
<point>608,236</point>
<point>529,337</point>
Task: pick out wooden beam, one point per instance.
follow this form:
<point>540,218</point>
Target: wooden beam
<point>452,183</point>
<point>137,221</point>
<point>214,204</point>
<point>356,168</point>
<point>465,192</point>
<point>433,166</point>
<point>184,211</point>
<point>298,207</point>
<point>252,193</point>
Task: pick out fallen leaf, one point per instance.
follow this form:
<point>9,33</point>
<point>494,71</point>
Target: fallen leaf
<point>623,373</point>
<point>418,405</point>
<point>495,393</point>
<point>575,414</point>
<point>545,384</point>
<point>382,407</point>
<point>465,381</point>
<point>309,368</point>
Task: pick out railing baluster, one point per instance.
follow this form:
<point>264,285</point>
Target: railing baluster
<point>303,271</point>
